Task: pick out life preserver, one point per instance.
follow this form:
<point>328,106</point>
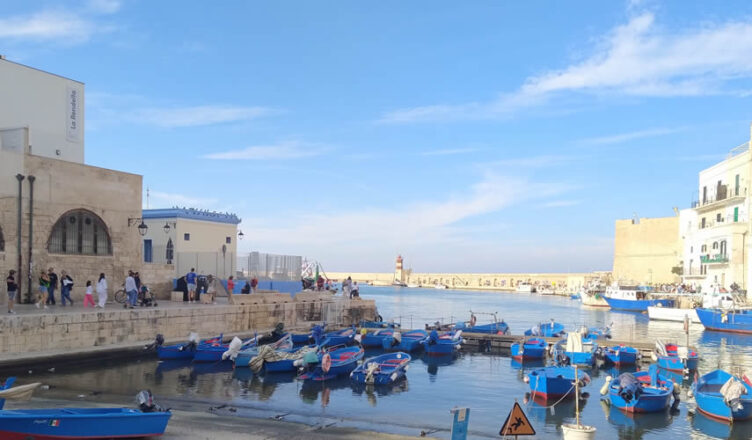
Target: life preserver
<point>326,362</point>
<point>473,320</point>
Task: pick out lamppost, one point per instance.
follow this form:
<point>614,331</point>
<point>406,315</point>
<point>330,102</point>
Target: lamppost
<point>142,228</point>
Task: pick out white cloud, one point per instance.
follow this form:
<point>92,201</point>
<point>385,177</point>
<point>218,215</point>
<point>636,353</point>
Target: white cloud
<point>637,58</point>
<point>624,137</point>
<point>173,199</point>
<point>197,116</point>
<point>449,152</point>
<point>60,26</point>
<point>287,150</point>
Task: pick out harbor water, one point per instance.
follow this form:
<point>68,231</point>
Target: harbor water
<point>486,383</point>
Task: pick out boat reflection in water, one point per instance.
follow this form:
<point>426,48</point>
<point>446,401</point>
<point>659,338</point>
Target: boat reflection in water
<point>170,365</point>
<point>715,428</point>
<point>539,409</point>
<point>262,386</point>
<point>435,361</point>
<point>636,426</point>
<point>372,391</point>
<point>527,364</point>
<point>310,389</point>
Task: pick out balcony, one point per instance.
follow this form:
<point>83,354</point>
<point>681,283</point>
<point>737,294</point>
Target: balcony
<point>724,195</point>
<point>714,259</point>
<point>724,221</point>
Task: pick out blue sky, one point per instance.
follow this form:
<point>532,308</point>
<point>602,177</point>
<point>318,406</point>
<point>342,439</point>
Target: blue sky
<point>467,136</point>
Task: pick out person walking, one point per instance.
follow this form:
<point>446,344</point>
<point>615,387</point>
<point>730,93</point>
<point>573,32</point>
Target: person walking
<point>211,289</point>
<point>230,285</point>
<point>51,289</point>
<point>12,290</point>
<point>254,284</point>
<point>131,289</point>
<point>89,296</point>
<point>190,281</point>
<point>44,285</point>
<point>102,290</point>
<point>66,284</point>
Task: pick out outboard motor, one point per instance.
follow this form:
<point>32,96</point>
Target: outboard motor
<point>158,342</point>
<point>146,402</point>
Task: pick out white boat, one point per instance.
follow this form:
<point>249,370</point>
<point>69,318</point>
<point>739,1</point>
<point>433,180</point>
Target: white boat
<point>546,291</point>
<point>525,288</point>
<point>672,314</point>
<point>440,286</point>
<point>593,298</point>
<point>413,285</point>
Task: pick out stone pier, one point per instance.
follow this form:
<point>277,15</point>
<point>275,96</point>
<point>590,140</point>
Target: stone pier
<point>70,330</point>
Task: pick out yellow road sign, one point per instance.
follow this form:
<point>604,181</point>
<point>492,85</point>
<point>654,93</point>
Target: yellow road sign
<point>517,423</point>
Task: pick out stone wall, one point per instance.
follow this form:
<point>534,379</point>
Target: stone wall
<point>158,277</point>
<point>645,251</point>
<point>71,331</point>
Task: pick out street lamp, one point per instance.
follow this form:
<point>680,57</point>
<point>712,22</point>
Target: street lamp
<point>142,228</point>
<point>166,227</point>
<point>241,235</point>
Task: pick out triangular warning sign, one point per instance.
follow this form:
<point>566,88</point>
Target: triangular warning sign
<point>517,423</point>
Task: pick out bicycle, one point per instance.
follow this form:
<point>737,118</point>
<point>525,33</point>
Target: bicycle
<point>121,297</point>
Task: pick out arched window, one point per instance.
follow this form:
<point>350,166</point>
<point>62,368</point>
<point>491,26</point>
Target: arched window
<point>704,248</point>
<point>723,248</point>
<point>2,241</point>
<point>715,245</point>
<point>170,251</point>
<point>80,232</point>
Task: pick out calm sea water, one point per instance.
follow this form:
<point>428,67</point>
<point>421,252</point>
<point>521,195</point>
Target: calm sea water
<point>488,384</point>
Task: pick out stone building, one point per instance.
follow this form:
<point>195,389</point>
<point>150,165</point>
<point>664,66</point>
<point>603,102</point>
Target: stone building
<point>55,211</point>
<point>647,251</point>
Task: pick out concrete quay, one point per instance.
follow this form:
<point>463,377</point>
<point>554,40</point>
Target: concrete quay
<point>58,334</point>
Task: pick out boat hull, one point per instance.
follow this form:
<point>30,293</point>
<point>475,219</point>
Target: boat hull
<point>285,365</point>
<point>85,423</point>
<point>674,363</point>
<point>553,382</point>
<point>531,349</point>
<point>655,396</point>
<point>174,352</point>
<point>711,403</point>
<point>672,314</point>
<point>374,340</point>
<point>622,355</point>
<point>638,305</point>
<point>717,320</point>
<point>344,361</point>
<point>593,301</point>
<point>410,341</point>
<point>392,368</point>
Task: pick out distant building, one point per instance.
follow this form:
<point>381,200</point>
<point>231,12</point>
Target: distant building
<point>647,251</point>
<point>189,238</point>
<point>82,218</point>
<point>716,228</point>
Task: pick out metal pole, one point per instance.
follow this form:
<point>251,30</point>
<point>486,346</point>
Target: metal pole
<point>31,235</point>
<point>19,227</point>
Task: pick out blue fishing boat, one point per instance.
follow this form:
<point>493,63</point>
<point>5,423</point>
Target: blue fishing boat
<point>377,338</point>
<point>382,370</point>
<point>378,324</point>
<point>574,350</point>
<point>213,352</point>
<point>676,358</point>
<point>333,363</point>
<point>408,341</point>
<point>529,349</point>
<point>313,337</point>
<point>185,350</point>
<point>734,321</point>
<point>724,397</point>
<point>444,343</point>
<point>549,330</point>
<point>341,337</point>
<point>622,355</point>
<point>596,332</point>
<point>78,423</point>
<point>244,356</point>
<point>289,363</point>
<point>641,392</point>
<point>496,328</point>
<point>554,382</point>
<point>632,299</point>
<point>575,296</point>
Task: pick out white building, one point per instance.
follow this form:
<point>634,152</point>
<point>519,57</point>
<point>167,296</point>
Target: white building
<point>716,228</point>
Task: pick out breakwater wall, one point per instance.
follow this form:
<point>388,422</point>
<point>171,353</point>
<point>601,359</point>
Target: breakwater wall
<point>475,281</point>
<point>39,332</point>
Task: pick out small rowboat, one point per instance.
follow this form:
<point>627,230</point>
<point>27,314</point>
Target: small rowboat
<point>185,350</point>
<point>61,423</point>
<point>245,356</point>
<point>376,338</point>
<point>382,370</point>
<point>641,392</point>
<point>495,328</point>
<point>533,348</point>
<point>440,344</point>
<point>213,352</point>
<point>549,330</point>
<point>554,382</point>
<point>723,397</point>
<point>341,337</point>
<point>622,355</point>
<point>334,363</point>
<point>675,358</point>
<point>378,324</point>
<point>408,341</point>
<point>574,350</point>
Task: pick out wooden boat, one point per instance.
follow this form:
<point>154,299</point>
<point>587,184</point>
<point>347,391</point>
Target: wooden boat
<point>77,423</point>
<point>574,350</point>
<point>593,298</point>
<point>622,355</point>
<point>555,382</point>
<point>408,341</point>
<point>529,349</point>
<point>441,344</point>
<point>333,363</point>
<point>641,392</point>
<point>723,397</point>
<point>549,330</point>
<point>734,320</point>
<point>212,352</point>
<point>245,356</point>
<point>675,358</point>
<point>341,337</point>
<point>185,350</point>
<point>313,337</point>
<point>382,370</point>
<point>377,338</point>
<point>496,328</point>
<point>632,299</point>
